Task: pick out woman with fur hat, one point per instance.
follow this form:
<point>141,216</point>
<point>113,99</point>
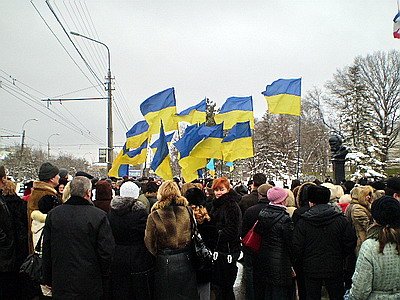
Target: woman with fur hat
<point>226,218</point>
<point>168,238</point>
<point>275,277</point>
<point>378,265</point>
<point>132,268</point>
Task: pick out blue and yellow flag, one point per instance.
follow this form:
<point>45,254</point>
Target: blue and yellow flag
<point>234,110</point>
<point>284,97</point>
<point>128,157</point>
<point>161,164</point>
<point>194,114</point>
<point>156,144</point>
<point>210,146</point>
<point>137,134</point>
<point>190,164</point>
<point>160,107</point>
<point>119,170</point>
<point>238,144</point>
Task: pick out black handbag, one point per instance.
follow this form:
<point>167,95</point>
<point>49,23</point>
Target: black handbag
<point>202,255</point>
<point>32,266</point>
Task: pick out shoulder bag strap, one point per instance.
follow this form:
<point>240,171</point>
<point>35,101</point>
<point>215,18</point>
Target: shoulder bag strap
<point>38,247</point>
<point>276,220</point>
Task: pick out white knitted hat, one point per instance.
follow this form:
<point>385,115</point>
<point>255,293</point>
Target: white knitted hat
<point>129,189</point>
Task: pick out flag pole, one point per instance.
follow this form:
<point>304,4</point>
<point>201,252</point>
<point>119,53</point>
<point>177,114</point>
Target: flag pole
<point>298,149</point>
<point>398,6</point>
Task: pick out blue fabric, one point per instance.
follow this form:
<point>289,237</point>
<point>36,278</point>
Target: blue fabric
<point>237,103</point>
<point>134,152</point>
<point>168,139</point>
<point>158,101</point>
<point>199,107</point>
<point>137,129</point>
<point>162,151</point>
<point>240,130</point>
<point>123,170</point>
<point>284,86</point>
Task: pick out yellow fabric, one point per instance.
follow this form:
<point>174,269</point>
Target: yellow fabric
<point>284,104</point>
<point>195,117</point>
<point>190,165</point>
<point>167,115</point>
<point>232,117</point>
<point>238,149</point>
<point>137,140</point>
<point>164,170</point>
<point>208,148</point>
<point>122,159</point>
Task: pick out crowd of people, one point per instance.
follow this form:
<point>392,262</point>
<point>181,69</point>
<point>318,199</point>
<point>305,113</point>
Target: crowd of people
<point>133,239</point>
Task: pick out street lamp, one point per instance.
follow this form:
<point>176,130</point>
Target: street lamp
<point>48,144</point>
<point>110,142</point>
<point>23,134</point>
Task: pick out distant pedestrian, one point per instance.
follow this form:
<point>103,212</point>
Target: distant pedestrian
<point>393,187</point>
<point>251,199</point>
<point>78,246</point>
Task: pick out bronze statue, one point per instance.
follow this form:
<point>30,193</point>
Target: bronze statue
<point>338,151</point>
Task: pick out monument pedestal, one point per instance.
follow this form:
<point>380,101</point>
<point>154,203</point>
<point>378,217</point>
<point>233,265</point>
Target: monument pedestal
<point>338,169</point>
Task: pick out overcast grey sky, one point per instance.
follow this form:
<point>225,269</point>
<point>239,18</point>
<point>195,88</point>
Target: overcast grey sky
<point>215,49</point>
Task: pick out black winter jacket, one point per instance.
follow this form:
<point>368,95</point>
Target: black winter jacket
<point>13,233</point>
<point>248,201</point>
<point>78,246</point>
<point>275,256</point>
<point>322,239</point>
<point>251,215</point>
<point>226,218</point>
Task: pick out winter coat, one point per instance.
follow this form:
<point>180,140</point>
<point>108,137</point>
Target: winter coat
<point>38,220</point>
<point>132,261</point>
<point>248,201</point>
<point>361,218</point>
<point>142,198</point>
<point>13,232</point>
<point>274,258</point>
<point>40,189</point>
<point>251,215</point>
<point>78,246</point>
<point>322,239</point>
<point>377,274</point>
<point>226,217</point>
<point>168,237</point>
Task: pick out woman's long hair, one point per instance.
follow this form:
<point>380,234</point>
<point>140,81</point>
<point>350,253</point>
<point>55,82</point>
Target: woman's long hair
<point>386,235</point>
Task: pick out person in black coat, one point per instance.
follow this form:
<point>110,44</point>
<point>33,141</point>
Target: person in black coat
<point>273,273</point>
<point>132,267</point>
<point>226,218</point>
<point>252,199</point>
<point>13,241</point>
<point>322,239</point>
<point>249,219</point>
<point>78,246</point>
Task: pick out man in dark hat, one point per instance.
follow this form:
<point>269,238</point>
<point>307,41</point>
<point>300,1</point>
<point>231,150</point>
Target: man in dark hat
<point>393,187</point>
<point>322,239</point>
<point>45,186</point>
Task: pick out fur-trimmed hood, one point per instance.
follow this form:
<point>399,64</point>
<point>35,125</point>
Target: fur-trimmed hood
<point>37,215</point>
<point>122,205</point>
<point>160,204</point>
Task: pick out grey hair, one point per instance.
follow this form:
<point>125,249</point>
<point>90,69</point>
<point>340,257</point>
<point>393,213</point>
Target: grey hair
<point>80,185</point>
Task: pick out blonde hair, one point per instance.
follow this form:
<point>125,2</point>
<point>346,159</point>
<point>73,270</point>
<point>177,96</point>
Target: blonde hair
<point>290,202</point>
<point>67,192</point>
<point>169,190</point>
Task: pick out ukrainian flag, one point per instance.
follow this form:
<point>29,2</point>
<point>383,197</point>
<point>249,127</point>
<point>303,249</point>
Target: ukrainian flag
<point>236,109</point>
<point>157,143</point>
<point>137,134</point>
<point>284,97</point>
<point>135,156</point>
<point>238,144</point>
<point>161,164</point>
<point>160,107</point>
<point>189,164</point>
<point>194,114</point>
<point>119,168</point>
<point>211,146</point>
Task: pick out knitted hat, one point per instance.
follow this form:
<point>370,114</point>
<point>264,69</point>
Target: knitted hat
<point>263,189</point>
<point>2,172</point>
<point>84,174</point>
<point>276,195</point>
<point>47,171</point>
<point>386,211</point>
<point>103,190</point>
<point>318,194</point>
<point>129,189</point>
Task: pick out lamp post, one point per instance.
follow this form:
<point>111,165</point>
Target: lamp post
<point>23,134</point>
<point>110,142</point>
<point>48,144</point>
